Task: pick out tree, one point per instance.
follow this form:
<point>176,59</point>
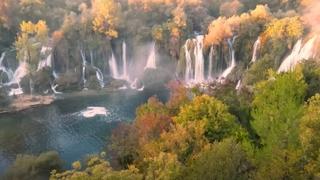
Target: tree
<point>277,108</point>
<point>29,41</point>
<point>105,19</point>
<point>97,168</point>
<point>311,74</point>
<point>178,97</point>
<point>27,167</point>
<point>221,160</point>
<point>290,28</point>
<point>183,141</point>
<point>219,122</point>
<point>309,135</point>
<point>163,167</point>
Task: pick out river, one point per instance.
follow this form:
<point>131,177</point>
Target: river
<point>61,127</point>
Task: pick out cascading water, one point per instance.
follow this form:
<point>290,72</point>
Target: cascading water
<point>8,72</point>
<point>211,54</point>
<point>125,74</point>
<point>20,72</point>
<point>99,76</point>
<point>189,69</point>
<point>233,60</point>
<point>199,60</point>
<point>84,64</point>
<point>47,60</point>
<point>194,72</point>
<point>114,67</point>
<point>239,84</point>
<point>299,52</point>
<point>99,73</point>
<point>308,50</point>
<point>54,87</point>
<point>55,74</point>
<point>151,62</point>
<point>256,46</point>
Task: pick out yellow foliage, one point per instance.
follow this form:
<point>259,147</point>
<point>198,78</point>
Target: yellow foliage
<point>105,17</point>
<point>289,27</point>
<point>31,2</point>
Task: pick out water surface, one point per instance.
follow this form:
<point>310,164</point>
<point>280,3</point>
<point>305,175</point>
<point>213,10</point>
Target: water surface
<point>61,127</point>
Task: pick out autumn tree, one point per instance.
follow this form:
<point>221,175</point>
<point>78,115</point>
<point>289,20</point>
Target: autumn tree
<point>219,122</point>
<point>184,141</point>
<point>106,19</point>
<point>96,168</point>
<point>29,41</point>
<point>289,28</point>
<point>164,166</point>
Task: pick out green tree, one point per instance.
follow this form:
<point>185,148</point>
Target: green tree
<point>96,168</point>
<point>277,108</point>
<point>222,160</point>
<point>27,167</point>
<point>309,135</point>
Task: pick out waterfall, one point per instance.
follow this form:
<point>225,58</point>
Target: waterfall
<point>47,60</point>
<point>233,60</point>
<point>99,76</point>
<point>308,50</point>
<point>55,74</point>
<point>125,74</point>
<point>211,54</point>
<point>256,46</point>
<point>239,84</point>
<point>151,62</point>
<point>299,52</point>
<point>8,72</point>
<point>99,73</point>
<point>114,67</point>
<point>54,87</point>
<point>194,72</point>
<point>84,64</point>
<point>189,69</point>
<point>134,84</point>
<point>20,72</point>
<point>199,60</point>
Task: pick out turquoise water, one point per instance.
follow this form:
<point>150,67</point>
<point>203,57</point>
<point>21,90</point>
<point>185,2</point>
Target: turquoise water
<point>61,127</point>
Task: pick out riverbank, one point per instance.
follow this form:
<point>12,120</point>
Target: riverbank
<point>23,102</point>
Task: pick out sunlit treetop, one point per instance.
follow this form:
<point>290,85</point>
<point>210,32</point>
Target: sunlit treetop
<point>105,17</point>
<point>223,28</point>
<point>147,4</point>
<point>289,27</point>
<point>31,2</point>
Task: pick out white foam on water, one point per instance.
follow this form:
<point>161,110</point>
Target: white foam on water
<point>92,111</point>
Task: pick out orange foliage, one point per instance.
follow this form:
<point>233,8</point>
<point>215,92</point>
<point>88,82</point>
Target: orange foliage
<point>57,36</point>
<point>178,96</point>
<point>223,28</point>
